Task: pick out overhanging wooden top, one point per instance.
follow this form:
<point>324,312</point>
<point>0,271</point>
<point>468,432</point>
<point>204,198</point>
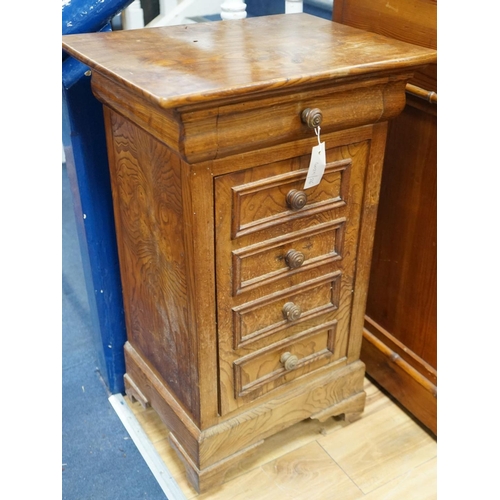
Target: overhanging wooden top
<point>180,65</point>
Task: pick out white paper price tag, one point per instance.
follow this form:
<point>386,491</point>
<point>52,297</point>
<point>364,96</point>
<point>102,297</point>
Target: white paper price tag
<point>316,166</point>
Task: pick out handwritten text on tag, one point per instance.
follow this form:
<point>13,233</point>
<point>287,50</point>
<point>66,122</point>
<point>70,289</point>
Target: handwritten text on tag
<point>316,166</point>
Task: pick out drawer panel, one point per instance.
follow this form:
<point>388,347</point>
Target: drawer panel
<point>262,204</point>
<point>254,124</point>
<point>255,228</point>
<point>269,368</point>
<point>265,316</point>
<point>260,264</point>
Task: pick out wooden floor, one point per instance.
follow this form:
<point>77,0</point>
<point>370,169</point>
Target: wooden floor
<point>385,455</point>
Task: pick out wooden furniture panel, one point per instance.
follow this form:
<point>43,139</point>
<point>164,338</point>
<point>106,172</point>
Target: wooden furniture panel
<point>264,203</point>
<point>400,336</point>
<point>261,263</point>
<point>244,291</point>
<point>320,291</point>
<point>287,360</point>
<point>154,270</point>
<point>268,315</point>
<point>404,255</point>
<point>412,21</point>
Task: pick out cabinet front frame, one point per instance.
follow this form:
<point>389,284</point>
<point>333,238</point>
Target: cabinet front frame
<point>375,136</point>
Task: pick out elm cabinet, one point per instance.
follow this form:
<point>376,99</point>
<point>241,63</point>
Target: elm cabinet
<point>244,291</point>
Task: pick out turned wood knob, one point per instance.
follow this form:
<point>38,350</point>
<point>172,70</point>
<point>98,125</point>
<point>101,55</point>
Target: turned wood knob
<point>294,259</point>
<point>312,117</point>
<point>291,311</point>
<point>289,360</point>
<point>296,199</point>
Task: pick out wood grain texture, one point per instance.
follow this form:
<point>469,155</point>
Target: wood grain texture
<point>292,464</point>
<point>404,271</point>
<point>260,212</point>
<point>402,300</point>
<point>265,370</point>
<point>213,475</point>
<point>275,414</point>
<point>309,472</point>
<point>264,262</point>
<point>198,102</point>
<point>216,130</point>
<point>254,321</point>
<point>161,124</point>
<point>255,484</point>
<point>230,339</point>
<point>350,408</point>
<point>199,71</point>
<point>419,483</point>
<point>429,96</point>
<point>412,21</point>
<point>416,392</point>
<point>208,447</point>
<point>165,403</point>
<point>153,267</point>
<point>396,446</point>
<point>371,189</point>
<point>199,242</point>
<point>275,117</point>
<point>262,203</point>
<point>397,350</point>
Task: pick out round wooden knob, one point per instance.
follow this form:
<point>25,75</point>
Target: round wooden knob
<point>312,117</point>
<point>291,311</point>
<point>289,360</point>
<point>294,259</point>
<point>296,199</point>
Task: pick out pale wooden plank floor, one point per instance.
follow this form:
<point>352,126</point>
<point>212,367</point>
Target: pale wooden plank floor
<point>385,455</point>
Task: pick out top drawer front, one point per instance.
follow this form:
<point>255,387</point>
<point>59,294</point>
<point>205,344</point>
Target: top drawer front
<point>252,124</point>
<point>262,204</point>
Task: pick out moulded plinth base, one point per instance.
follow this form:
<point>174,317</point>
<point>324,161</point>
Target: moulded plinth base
<point>209,454</point>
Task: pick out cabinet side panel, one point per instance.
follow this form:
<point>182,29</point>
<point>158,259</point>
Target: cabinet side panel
<point>147,195</point>
<point>412,21</point>
<point>403,283</point>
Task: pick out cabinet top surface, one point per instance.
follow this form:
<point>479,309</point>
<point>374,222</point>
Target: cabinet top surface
<point>180,65</point>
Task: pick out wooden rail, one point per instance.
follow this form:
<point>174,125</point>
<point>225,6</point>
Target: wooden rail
<point>428,95</point>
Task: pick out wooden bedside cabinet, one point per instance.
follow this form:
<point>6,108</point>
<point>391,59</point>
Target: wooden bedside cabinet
<point>244,291</point>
